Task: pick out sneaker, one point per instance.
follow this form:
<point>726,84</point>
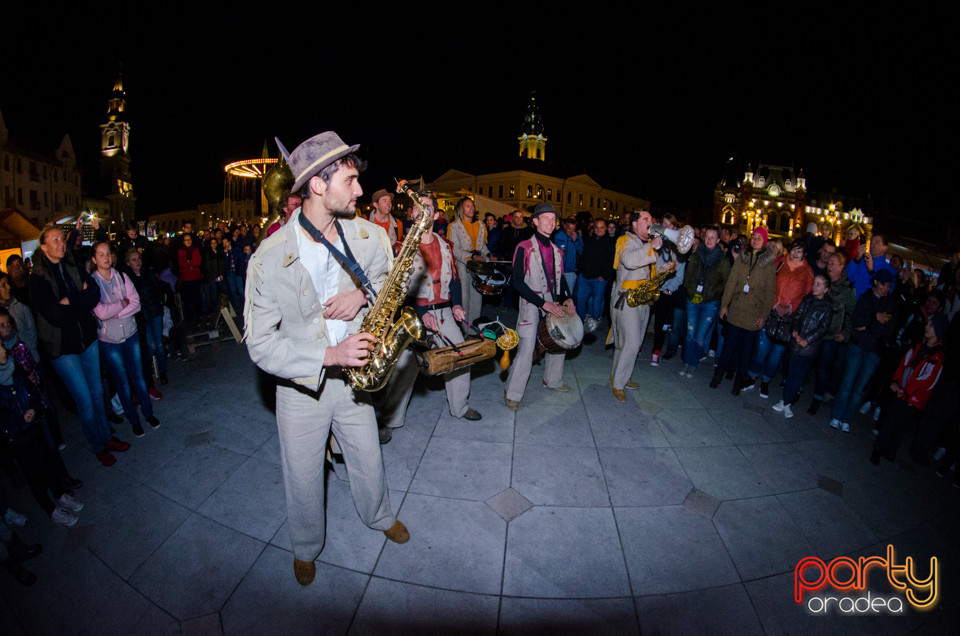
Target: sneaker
<point>61,446</point>
<point>154,394</point>
<point>106,458</point>
<point>779,406</point>
<point>834,423</point>
<point>787,411</point>
<point>69,503</point>
<point>137,429</point>
<point>64,517</point>
<point>865,408</point>
<point>14,518</point>
<point>655,359</point>
<point>748,384</point>
<point>712,353</point>
<point>472,415</point>
<point>764,390</point>
<point>153,422</point>
<point>115,445</point>
<point>845,427</point>
<point>683,370</point>
<point>563,388</point>
<point>690,372</point>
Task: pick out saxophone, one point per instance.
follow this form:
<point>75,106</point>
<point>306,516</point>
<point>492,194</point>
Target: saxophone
<point>648,291</point>
<point>392,336</point>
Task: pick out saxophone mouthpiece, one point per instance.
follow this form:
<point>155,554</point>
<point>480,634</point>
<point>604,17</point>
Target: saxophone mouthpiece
<point>401,185</point>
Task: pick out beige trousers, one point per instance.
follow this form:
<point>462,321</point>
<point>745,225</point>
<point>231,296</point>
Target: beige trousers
<point>629,328</point>
<point>304,422</point>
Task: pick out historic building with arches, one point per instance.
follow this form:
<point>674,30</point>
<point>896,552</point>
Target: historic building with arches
<point>777,198</point>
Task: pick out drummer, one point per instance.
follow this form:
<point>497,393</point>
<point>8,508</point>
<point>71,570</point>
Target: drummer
<point>435,293</point>
<point>469,239</point>
<point>634,260</point>
<point>538,279</point>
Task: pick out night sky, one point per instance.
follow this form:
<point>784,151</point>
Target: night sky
<point>646,102</point>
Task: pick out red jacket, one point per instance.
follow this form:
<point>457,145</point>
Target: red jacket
<point>918,375</point>
<point>189,267</point>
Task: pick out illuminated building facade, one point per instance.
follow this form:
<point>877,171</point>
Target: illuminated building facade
<point>529,183</point>
<point>40,186</point>
<point>115,157</point>
<point>777,198</point>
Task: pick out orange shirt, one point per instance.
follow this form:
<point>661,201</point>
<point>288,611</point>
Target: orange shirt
<point>473,229</point>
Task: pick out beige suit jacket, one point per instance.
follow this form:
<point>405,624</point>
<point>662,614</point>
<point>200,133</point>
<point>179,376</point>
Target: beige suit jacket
<point>285,331</point>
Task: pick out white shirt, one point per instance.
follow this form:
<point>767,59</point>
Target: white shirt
<point>324,271</point>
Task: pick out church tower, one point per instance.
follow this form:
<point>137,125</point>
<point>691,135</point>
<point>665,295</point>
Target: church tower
<point>532,140</point>
<point>115,156</point>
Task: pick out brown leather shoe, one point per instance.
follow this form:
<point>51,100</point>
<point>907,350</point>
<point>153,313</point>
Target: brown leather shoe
<point>631,385</point>
<point>513,405</point>
<point>620,394</point>
<point>304,571</point>
<point>397,532</point>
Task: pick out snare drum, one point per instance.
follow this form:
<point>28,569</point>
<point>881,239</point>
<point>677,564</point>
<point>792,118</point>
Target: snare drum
<point>492,285</point>
<point>558,335</point>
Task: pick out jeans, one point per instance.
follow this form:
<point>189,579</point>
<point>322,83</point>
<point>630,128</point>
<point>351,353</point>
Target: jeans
<point>795,375</point>
<point>153,330</point>
<point>700,319</point>
<point>81,373</point>
<point>235,289</point>
<point>767,357</point>
<point>857,372</point>
<point>590,296</point>
<point>737,347</point>
<point>828,352</point>
<point>123,360</point>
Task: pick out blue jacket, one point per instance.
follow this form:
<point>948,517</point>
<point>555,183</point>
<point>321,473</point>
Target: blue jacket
<point>571,250</point>
<point>862,278</point>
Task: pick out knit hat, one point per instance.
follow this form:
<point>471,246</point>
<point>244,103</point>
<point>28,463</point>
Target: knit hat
<point>762,231</point>
<point>940,324</point>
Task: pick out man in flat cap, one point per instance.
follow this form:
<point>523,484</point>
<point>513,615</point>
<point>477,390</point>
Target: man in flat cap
<point>308,287</point>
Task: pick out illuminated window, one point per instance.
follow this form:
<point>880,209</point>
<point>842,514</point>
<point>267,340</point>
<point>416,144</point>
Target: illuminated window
<point>513,192</point>
<point>549,194</point>
<point>529,192</point>
<point>580,200</point>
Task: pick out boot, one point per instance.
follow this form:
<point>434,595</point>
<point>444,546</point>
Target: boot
<point>20,551</point>
<point>814,407</point>
<point>717,378</point>
<point>737,385</point>
<point>24,576</point>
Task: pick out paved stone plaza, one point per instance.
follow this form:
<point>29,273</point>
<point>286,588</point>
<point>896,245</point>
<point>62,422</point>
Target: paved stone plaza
<point>683,510</point>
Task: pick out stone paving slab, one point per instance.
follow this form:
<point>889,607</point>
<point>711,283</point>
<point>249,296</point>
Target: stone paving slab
<point>682,510</point>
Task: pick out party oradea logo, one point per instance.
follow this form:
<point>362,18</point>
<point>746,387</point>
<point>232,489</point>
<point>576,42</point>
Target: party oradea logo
<point>845,586</point>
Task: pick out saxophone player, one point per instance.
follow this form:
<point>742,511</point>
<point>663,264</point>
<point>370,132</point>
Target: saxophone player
<point>307,289</point>
<point>634,260</point>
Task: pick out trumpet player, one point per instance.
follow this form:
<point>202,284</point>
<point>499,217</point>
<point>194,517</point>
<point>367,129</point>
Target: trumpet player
<point>435,292</point>
<point>634,260</point>
<point>304,305</point>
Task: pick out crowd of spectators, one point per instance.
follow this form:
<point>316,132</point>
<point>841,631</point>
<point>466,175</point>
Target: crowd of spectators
<point>90,329</point>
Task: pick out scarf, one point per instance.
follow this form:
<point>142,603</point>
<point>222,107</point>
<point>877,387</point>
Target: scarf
<point>708,259</point>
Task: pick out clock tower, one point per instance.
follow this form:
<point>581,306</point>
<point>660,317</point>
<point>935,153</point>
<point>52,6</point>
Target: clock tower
<point>115,156</point>
<point>532,140</point>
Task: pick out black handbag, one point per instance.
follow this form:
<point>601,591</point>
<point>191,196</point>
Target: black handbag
<point>778,328</point>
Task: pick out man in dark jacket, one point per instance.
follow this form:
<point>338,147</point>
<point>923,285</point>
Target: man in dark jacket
<point>596,268</point>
